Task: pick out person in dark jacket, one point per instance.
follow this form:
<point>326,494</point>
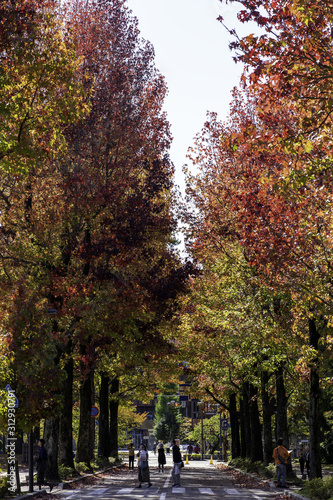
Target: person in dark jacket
<point>161,457</point>
<point>41,459</point>
<point>177,461</point>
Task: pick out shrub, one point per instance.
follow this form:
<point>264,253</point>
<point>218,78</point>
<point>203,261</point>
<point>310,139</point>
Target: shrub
<point>82,467</point>
<point>319,489</point>
<point>3,487</point>
<point>66,472</point>
<point>245,464</point>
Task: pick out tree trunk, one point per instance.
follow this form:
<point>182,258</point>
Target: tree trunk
<point>281,412</point>
<point>51,436</point>
<point>266,419</point>
<point>104,432</point>
<point>256,442</point>
<point>234,422</point>
<point>281,407</point>
<point>242,428</point>
<point>246,420</point>
<point>92,419</point>
<point>66,417</point>
<point>314,412</point>
<point>83,442</point>
<point>114,403</point>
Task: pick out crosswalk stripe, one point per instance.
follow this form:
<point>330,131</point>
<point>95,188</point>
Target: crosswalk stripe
<point>178,489</point>
<point>125,491</point>
<point>206,491</point>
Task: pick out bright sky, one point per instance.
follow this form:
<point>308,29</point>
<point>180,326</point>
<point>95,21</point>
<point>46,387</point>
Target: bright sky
<point>192,52</point>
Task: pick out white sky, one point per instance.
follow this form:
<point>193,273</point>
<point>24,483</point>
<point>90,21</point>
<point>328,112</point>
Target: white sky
<point>191,51</point>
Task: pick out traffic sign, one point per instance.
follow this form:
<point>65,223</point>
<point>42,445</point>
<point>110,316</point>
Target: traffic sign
<point>94,411</point>
<point>9,389</point>
<point>224,424</point>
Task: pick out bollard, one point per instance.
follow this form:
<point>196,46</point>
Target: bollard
<point>186,458</point>
<point>211,459</point>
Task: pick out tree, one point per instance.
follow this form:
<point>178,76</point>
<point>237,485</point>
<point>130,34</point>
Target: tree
<point>167,418</point>
<point>39,94</point>
<point>87,232</point>
<point>290,65</point>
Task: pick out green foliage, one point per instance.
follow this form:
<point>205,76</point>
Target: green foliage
<point>167,418</point>
<point>128,419</point>
<point>327,448</point>
<point>82,467</point>
<point>319,489</point>
<point>66,472</point>
<point>102,462</point>
<point>185,429</point>
<point>3,487</point>
<point>209,424</point>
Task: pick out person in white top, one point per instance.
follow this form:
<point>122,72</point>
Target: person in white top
<point>143,468</point>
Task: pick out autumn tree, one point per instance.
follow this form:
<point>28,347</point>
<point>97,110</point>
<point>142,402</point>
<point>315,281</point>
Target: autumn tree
<point>90,230</point>
<point>39,93</point>
<point>288,69</point>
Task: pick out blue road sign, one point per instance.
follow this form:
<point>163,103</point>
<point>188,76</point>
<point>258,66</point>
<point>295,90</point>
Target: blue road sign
<point>94,411</point>
<point>224,424</point>
<point>8,388</point>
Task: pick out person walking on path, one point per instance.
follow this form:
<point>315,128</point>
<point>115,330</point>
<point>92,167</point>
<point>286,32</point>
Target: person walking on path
<point>301,457</point>
<point>177,463</point>
<point>131,451</point>
<point>280,455</point>
<point>143,467</point>
<point>161,457</point>
<point>41,460</point>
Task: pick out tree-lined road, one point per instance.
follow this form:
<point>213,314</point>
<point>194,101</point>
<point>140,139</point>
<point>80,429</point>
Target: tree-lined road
<point>200,480</point>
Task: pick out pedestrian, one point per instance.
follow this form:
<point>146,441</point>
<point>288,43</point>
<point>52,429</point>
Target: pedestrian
<point>301,457</point>
<point>177,463</point>
<point>143,467</point>
<point>190,449</point>
<point>168,448</point>
<point>280,455</point>
<point>196,449</point>
<point>41,460</point>
<point>161,458</point>
<point>154,448</point>
<point>131,452</point>
<point>307,460</point>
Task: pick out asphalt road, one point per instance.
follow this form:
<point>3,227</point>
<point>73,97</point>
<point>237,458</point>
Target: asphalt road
<point>199,480</point>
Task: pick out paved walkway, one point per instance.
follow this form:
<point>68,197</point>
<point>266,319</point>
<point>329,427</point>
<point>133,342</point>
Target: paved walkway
<point>199,479</point>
